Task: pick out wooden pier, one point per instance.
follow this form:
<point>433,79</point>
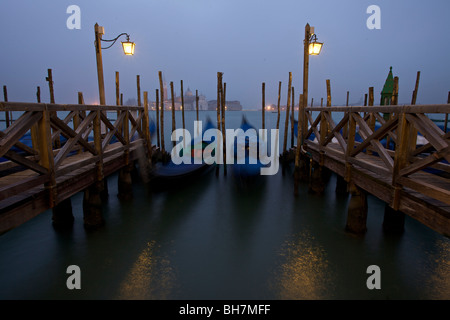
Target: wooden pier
<point>372,149</point>
<point>46,174</point>
<point>375,150</point>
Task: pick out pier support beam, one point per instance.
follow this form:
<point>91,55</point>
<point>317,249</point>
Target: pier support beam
<point>394,221</point>
<point>341,185</point>
<point>317,181</point>
<point>301,171</point>
<point>125,189</point>
<point>62,214</point>
<point>357,210</point>
<point>92,206</point>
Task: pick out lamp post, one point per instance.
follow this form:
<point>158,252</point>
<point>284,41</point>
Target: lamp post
<point>310,47</point>
<point>128,49</point>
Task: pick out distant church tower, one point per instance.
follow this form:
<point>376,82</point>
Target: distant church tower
<point>388,90</point>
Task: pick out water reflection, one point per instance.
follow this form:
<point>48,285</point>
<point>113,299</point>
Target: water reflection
<point>150,277</point>
<point>439,279</point>
<point>305,272</point>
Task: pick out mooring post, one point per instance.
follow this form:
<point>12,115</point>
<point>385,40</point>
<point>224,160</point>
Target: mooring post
<point>118,96</point>
<point>446,115</point>
<point>224,141</point>
<point>161,87</point>
<point>292,119</point>
<point>62,215</point>
<point>5,97</point>
<point>219,108</point>
<point>394,220</point>
<point>317,181</point>
<point>124,181</point>
<point>263,106</point>
<point>92,206</point>
<point>92,200</point>
<point>196,106</point>
<point>157,119</point>
<point>125,186</point>
<point>146,125</point>
<point>173,110</point>
<point>320,174</point>
<point>49,79</point>
<point>286,123</point>
<point>357,210</point>
<point>341,185</point>
<point>182,104</point>
<point>302,163</point>
<point>278,105</point>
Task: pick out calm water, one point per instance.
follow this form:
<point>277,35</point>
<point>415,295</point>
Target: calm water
<point>217,240</point>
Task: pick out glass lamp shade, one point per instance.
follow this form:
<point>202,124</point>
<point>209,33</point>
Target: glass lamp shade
<point>128,48</point>
<point>315,48</point>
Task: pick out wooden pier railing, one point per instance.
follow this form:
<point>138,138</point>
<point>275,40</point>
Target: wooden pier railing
<point>53,151</point>
<point>396,153</point>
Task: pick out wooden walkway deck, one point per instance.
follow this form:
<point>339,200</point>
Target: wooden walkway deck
<point>39,177</point>
<point>410,178</point>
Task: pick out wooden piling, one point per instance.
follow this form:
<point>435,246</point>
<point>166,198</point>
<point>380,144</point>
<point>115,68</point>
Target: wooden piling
<point>92,207</point>
<point>173,110</point>
<point>196,103</point>
<point>182,105</point>
<point>219,108</point>
<point>317,181</point>
<point>117,89</point>
<point>416,89</point>
<point>446,115</point>
<point>138,87</point>
<point>345,128</point>
<point>146,124</point>
<point>219,89</point>
<point>278,105</point>
<point>292,119</point>
<point>157,119</point>
<point>302,163</point>
<point>161,86</point>
<point>371,120</point>
<point>413,132</point>
<point>5,97</point>
<point>223,128</point>
<point>286,123</point>
<point>394,100</point>
<point>357,210</point>
<point>393,221</point>
<point>62,215</point>
<point>38,94</point>
<point>196,109</point>
<point>49,79</point>
<point>124,179</point>
<point>263,107</point>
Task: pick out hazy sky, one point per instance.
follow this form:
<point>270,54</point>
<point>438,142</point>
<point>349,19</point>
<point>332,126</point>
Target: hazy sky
<point>250,41</point>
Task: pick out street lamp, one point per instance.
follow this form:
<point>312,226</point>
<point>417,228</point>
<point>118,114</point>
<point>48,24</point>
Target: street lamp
<point>128,49</point>
<point>314,46</point>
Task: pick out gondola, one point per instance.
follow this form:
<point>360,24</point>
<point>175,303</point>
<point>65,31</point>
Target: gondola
<point>247,165</point>
<point>169,175</point>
